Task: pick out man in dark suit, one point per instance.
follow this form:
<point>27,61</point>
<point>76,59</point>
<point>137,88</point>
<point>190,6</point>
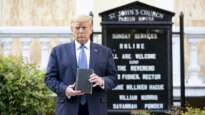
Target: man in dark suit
<point>62,66</point>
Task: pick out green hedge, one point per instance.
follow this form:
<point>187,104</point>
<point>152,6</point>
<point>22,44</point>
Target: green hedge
<point>174,111</point>
<point>194,111</point>
<point>22,89</point>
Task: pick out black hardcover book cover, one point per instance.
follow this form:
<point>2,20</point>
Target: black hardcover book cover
<point>82,82</point>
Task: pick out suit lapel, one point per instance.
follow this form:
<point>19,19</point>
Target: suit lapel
<point>93,55</point>
<point>73,57</point>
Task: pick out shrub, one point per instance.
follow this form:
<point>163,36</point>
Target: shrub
<point>187,111</point>
<point>22,89</point>
<point>174,111</point>
<point>194,111</point>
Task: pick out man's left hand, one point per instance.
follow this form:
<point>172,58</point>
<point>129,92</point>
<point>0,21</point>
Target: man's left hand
<point>96,80</point>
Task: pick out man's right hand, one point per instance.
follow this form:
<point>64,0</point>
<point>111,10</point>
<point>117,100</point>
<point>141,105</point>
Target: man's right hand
<point>71,92</point>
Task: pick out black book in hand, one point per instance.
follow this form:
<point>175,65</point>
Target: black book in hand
<point>82,82</point>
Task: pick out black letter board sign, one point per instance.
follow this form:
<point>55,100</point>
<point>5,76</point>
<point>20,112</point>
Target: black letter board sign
<point>140,38</point>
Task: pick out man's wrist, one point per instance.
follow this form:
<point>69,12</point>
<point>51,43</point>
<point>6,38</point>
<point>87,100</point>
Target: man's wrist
<point>70,87</point>
<point>68,97</point>
<point>67,92</point>
<point>102,84</point>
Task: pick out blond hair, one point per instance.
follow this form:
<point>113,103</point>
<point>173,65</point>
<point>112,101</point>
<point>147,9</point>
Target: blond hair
<point>81,18</point>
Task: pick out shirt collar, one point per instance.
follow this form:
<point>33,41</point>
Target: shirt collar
<point>87,45</point>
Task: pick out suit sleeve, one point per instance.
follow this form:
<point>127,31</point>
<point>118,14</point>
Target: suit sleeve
<point>110,78</point>
<point>52,75</point>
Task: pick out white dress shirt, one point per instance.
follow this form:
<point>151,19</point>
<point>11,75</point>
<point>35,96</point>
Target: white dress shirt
<point>86,49</point>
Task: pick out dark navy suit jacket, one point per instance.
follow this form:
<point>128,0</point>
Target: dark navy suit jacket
<point>61,72</point>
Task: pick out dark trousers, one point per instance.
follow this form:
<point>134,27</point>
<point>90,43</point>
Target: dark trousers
<point>83,110</point>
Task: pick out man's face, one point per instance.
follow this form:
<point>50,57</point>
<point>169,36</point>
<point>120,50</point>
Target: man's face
<point>81,31</point>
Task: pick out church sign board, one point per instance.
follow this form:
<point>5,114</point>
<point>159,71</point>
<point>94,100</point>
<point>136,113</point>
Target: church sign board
<point>140,37</point>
